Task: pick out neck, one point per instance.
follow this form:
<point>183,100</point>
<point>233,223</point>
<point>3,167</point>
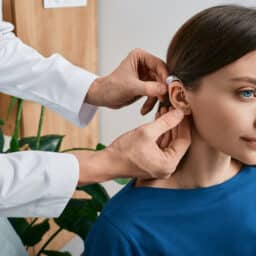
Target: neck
<point>203,166</point>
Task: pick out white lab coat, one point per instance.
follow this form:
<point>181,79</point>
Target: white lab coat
<point>34,183</point>
<point>40,183</point>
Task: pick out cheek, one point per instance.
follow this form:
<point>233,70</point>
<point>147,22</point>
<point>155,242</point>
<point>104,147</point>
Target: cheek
<point>216,123</point>
<point>220,125</point>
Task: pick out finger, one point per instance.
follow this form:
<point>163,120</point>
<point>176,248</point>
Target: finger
<point>166,140</point>
<point>156,65</point>
<point>152,88</point>
<point>147,88</point>
<point>150,63</point>
<point>164,123</point>
<point>180,145</point>
<point>157,115</point>
<point>148,105</point>
<point>162,110</point>
<point>174,133</point>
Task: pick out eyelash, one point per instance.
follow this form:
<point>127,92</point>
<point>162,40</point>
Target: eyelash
<point>248,90</point>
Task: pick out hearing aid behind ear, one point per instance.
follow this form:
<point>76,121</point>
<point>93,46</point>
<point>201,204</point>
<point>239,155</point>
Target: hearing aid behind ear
<point>166,102</point>
<point>171,79</point>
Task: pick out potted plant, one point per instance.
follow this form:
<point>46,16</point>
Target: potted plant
<point>79,214</point>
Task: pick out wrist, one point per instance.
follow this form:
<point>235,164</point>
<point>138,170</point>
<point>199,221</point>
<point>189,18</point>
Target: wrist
<point>95,95</point>
<point>117,164</point>
<point>96,166</point>
<point>100,166</point>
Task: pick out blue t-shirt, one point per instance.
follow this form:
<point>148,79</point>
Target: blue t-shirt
<point>218,220</point>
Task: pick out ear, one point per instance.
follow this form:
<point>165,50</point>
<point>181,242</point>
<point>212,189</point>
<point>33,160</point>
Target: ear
<point>178,97</point>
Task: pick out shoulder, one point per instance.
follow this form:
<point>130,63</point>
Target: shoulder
<point>250,170</point>
<point>123,203</point>
<point>113,229</point>
<point>130,204</point>
<point>106,237</point>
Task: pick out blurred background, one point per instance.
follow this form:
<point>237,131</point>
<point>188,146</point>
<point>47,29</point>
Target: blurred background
<point>116,27</point>
<point>123,26</point>
<point>147,24</point>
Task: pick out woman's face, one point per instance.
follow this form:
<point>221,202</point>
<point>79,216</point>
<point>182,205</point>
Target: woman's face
<point>224,109</point>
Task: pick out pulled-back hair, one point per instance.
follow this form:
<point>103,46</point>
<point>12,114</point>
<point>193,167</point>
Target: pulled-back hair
<point>210,40</point>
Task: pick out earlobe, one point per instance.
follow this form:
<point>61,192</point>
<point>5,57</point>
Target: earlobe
<point>187,111</point>
<point>177,97</point>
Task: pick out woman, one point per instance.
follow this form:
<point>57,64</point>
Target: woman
<point>207,206</point>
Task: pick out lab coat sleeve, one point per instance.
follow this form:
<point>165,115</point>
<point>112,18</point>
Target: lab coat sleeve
<point>36,183</point>
<point>53,82</point>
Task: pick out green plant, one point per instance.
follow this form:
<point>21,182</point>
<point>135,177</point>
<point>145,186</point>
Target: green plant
<point>79,214</point>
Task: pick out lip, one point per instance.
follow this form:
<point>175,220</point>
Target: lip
<point>250,141</point>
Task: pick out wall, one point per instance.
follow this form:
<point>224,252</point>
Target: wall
<point>148,24</point>
<point>122,26</point>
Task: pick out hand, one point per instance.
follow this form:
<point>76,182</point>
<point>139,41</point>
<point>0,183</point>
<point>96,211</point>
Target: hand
<point>138,154</point>
<point>139,74</point>
<point>165,139</point>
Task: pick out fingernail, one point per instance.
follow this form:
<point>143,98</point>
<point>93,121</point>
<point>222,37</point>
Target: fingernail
<point>178,113</point>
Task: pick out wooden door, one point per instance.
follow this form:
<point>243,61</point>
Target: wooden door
<point>70,32</point>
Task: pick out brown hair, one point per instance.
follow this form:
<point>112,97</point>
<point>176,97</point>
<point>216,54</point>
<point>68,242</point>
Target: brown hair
<point>210,40</point>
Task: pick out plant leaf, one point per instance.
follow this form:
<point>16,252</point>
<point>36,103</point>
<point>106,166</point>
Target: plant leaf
<point>14,144</point>
<point>35,233</point>
<point>47,142</point>
<point>78,216</point>
<point>30,235</point>
<point>122,181</point>
<point>12,103</point>
<point>1,140</point>
<point>100,146</point>
<point>98,193</point>
<point>55,253</point>
<point>20,225</point>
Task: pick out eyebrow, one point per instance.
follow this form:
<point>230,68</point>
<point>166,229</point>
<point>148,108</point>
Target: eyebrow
<point>248,79</point>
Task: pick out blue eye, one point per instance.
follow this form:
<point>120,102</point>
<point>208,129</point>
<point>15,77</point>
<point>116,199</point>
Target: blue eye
<point>247,93</point>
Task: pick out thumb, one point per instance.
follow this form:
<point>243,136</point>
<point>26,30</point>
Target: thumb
<point>151,88</point>
<point>164,123</point>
